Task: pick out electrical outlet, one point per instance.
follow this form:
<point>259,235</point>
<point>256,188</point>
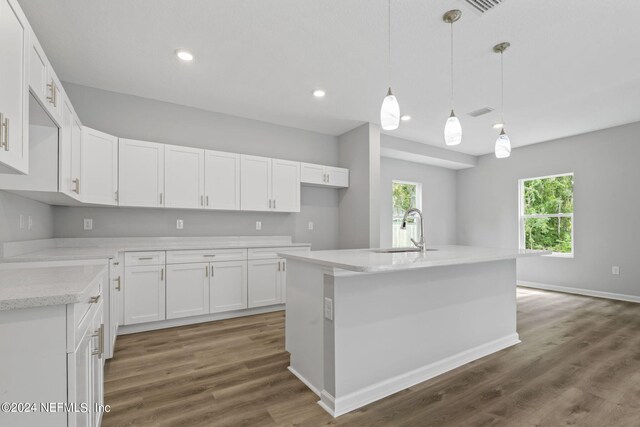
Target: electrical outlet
<point>21,221</point>
<point>615,270</point>
<point>328,308</point>
<point>29,223</point>
<point>310,225</point>
<point>179,224</point>
<point>88,224</point>
<point>258,225</point>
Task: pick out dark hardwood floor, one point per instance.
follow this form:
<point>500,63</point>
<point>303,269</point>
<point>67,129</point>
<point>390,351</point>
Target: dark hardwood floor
<point>578,364</point>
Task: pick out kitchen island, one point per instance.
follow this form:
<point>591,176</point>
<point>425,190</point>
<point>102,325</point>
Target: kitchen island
<point>364,324</point>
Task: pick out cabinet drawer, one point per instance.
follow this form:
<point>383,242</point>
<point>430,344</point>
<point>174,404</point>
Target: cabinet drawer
<point>181,257</point>
<point>267,253</point>
<point>80,315</point>
<point>144,258</point>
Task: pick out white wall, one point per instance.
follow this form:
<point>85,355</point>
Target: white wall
<point>139,118</point>
<point>438,199</point>
<point>359,216</point>
<point>607,207</point>
<point>11,206</point>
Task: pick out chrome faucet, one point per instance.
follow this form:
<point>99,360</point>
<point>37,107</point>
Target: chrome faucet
<point>419,244</point>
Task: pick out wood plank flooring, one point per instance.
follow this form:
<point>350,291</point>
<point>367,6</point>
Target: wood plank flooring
<point>578,364</point>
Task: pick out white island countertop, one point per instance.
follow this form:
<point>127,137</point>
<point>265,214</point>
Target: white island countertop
<point>372,261</point>
<point>45,285</point>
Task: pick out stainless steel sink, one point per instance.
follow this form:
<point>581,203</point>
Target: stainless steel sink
<point>398,250</point>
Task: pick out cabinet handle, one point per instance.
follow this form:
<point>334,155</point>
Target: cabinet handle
<point>208,255</point>
<point>328,178</point>
<point>94,300</point>
<point>5,124</point>
<point>274,203</point>
<point>207,200</point>
<point>201,200</point>
<point>284,265</point>
<point>206,271</point>
<point>145,258</point>
<point>1,130</point>
<point>212,271</point>
<point>279,265</point>
<point>77,185</point>
<point>99,333</point>
<point>118,286</point>
<point>162,274</point>
<point>116,195</point>
<point>160,198</point>
<point>51,98</point>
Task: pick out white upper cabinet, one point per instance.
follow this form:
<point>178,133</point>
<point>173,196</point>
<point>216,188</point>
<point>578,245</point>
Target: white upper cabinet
<point>183,177</point>
<point>99,178</point>
<point>141,173</point>
<point>324,176</point>
<point>285,185</point>
<point>222,180</point>
<point>69,146</point>
<point>43,81</point>
<point>14,94</point>
<point>255,183</point>
<point>269,184</point>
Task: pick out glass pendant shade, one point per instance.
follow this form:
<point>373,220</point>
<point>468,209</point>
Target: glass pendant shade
<point>452,130</point>
<point>390,112</point>
<point>503,145</point>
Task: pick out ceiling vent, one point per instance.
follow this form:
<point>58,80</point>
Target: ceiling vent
<point>480,112</point>
<point>482,6</point>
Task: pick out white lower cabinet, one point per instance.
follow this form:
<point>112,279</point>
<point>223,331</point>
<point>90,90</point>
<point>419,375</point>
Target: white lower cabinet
<point>264,282</point>
<point>228,286</point>
<point>116,299</point>
<point>187,290</point>
<point>144,294</point>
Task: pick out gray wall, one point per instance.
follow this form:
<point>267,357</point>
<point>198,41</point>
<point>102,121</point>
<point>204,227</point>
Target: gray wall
<point>359,151</point>
<point>607,207</point>
<point>438,199</point>
<point>11,206</point>
<point>139,118</point>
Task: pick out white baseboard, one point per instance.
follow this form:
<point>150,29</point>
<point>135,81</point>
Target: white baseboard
<point>342,405</point>
<point>578,291</point>
<point>172,323</point>
<point>304,380</point>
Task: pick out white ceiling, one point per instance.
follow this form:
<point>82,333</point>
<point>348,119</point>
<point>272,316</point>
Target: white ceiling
<point>574,65</point>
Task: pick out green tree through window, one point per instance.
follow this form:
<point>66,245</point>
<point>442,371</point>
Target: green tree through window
<point>547,213</point>
<point>406,195</point>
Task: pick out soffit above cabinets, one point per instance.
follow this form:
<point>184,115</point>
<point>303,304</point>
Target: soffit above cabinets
<point>573,67</point>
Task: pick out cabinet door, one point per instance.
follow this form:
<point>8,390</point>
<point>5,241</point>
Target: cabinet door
<point>264,282</point>
<point>79,375</point>
<point>255,183</point>
<point>38,65</point>
<point>337,177</point>
<point>144,294</point>
<point>99,165</point>
<point>69,152</point>
<point>14,90</point>
<point>222,180</point>
<point>76,156</point>
<point>283,281</point>
<point>228,286</point>
<point>97,368</point>
<point>285,185</point>
<point>187,290</point>
<point>115,300</point>
<point>141,169</point>
<point>312,174</point>
<point>183,177</point>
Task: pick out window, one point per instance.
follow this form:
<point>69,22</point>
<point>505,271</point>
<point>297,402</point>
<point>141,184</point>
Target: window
<point>406,195</point>
<point>546,214</point>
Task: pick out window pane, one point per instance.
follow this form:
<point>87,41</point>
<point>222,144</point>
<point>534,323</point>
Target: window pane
<point>552,234</point>
<point>548,195</point>
<point>404,198</point>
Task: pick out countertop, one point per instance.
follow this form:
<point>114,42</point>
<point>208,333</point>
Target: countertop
<point>105,248</point>
<point>369,261</point>
<point>31,286</point>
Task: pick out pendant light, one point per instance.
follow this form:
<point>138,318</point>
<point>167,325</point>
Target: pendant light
<point>452,128</point>
<point>503,144</point>
<point>390,110</point>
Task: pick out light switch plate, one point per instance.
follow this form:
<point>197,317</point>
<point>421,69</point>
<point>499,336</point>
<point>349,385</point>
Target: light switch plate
<point>258,225</point>
<point>179,224</point>
<point>88,224</point>
<point>328,308</point>
<point>310,225</point>
<point>21,221</point>
<point>615,270</point>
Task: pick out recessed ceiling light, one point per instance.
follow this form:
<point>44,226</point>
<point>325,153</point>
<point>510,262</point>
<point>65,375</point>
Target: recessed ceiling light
<point>319,93</point>
<point>184,55</point>
<point>498,126</point>
<point>405,118</point>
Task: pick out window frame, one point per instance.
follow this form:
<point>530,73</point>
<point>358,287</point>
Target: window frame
<point>418,186</point>
<point>522,217</point>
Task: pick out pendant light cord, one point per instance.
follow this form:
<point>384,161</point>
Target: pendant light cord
<point>451,66</point>
<point>389,40</point>
<point>502,88</point>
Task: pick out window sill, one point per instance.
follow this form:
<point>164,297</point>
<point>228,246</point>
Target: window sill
<point>559,255</point>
